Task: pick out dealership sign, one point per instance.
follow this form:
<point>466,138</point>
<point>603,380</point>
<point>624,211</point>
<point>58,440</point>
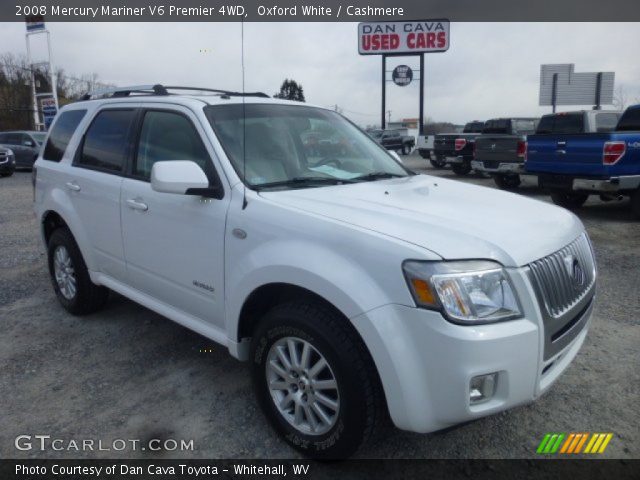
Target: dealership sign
<point>378,38</point>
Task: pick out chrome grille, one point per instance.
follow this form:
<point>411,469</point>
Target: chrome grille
<point>565,277</point>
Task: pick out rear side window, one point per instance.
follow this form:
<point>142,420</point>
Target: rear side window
<point>105,143</point>
<point>545,125</point>
<point>606,122</point>
<point>61,133</point>
<point>630,120</point>
<point>168,136</point>
<point>473,127</point>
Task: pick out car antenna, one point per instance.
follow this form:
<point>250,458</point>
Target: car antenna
<point>244,121</point>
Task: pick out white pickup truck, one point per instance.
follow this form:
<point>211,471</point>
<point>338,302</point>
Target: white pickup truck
<point>354,287</point>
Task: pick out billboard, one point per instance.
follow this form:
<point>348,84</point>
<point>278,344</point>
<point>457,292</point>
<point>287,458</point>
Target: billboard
<point>388,38</point>
<point>574,88</point>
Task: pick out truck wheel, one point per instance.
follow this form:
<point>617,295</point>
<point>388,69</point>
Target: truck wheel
<point>438,163</point>
<point>507,182</point>
<point>461,168</point>
<point>71,282</point>
<point>315,380</point>
<point>569,200</point>
<point>635,203</point>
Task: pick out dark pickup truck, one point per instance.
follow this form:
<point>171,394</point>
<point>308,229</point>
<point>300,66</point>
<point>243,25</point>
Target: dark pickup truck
<point>396,140</point>
<point>501,149</point>
<point>456,149</point>
<point>574,165</point>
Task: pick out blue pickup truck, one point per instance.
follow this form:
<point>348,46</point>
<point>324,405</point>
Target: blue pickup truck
<point>574,165</point>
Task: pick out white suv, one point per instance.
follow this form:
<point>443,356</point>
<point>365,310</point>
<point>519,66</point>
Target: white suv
<point>353,286</point>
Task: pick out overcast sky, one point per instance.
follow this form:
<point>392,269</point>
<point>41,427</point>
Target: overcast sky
<point>491,69</point>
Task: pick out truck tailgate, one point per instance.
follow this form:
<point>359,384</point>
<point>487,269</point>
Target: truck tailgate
<point>497,148</point>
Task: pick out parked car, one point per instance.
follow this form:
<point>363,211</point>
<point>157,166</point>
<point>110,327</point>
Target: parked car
<point>24,144</point>
<point>456,149</point>
<point>397,140</point>
<point>425,148</point>
<point>350,284</point>
<point>501,149</point>
<point>595,159</point>
<point>7,162</point>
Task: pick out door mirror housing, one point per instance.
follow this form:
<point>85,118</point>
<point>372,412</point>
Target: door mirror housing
<point>182,177</point>
<point>28,143</point>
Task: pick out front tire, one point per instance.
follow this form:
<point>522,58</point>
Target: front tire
<point>507,182</point>
<point>569,200</point>
<point>635,203</point>
<point>315,380</point>
<point>70,277</point>
<point>461,168</point>
<point>438,163</point>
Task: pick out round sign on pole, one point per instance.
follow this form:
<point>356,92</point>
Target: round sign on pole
<point>402,75</point>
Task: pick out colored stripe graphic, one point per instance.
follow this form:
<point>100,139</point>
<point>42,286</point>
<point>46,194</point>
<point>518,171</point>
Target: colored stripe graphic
<point>573,443</point>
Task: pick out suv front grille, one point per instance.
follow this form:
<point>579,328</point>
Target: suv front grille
<point>565,285</point>
<point>566,276</point>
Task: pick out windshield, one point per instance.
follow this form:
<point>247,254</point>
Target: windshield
<point>289,146</point>
<point>39,137</point>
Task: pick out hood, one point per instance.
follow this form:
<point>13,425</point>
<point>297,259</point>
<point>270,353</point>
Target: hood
<point>455,220</point>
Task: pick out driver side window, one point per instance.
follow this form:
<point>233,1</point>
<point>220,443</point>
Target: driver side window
<point>168,136</point>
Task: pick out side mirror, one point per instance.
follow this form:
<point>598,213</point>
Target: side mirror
<point>28,143</point>
<point>178,176</point>
<point>396,156</point>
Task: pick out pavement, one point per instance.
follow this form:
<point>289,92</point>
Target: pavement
<point>128,373</point>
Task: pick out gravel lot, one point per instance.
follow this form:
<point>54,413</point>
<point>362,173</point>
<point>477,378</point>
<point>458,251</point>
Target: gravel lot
<point>127,373</point>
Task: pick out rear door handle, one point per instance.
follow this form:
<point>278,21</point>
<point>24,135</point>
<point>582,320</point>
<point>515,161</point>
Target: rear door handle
<point>561,152</point>
<point>73,186</point>
<point>137,205</point>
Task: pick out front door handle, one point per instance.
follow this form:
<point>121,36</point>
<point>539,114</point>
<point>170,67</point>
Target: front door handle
<point>137,205</point>
<point>73,186</point>
<point>561,152</point>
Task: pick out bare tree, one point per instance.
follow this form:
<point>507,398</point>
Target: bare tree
<point>620,98</point>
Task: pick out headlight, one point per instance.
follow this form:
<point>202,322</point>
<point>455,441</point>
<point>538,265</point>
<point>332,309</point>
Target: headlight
<point>467,292</point>
<point>9,152</point>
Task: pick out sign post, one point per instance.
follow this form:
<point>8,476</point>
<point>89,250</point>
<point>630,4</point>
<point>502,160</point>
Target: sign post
<point>35,25</point>
<point>413,38</point>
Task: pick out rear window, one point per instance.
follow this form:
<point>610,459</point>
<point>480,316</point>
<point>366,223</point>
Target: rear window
<point>524,127</point>
<point>561,123</point>
<point>630,120</point>
<point>473,127</point>
<point>105,143</point>
<point>61,134</point>
<point>496,126</point>
<point>606,122</point>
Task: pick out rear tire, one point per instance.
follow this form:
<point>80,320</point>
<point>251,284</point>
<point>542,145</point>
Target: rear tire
<point>70,277</point>
<point>507,182</point>
<point>569,200</point>
<point>461,168</point>
<point>635,203</point>
<point>357,399</point>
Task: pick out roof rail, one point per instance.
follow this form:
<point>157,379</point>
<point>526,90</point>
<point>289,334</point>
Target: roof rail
<point>158,89</point>
<point>126,91</point>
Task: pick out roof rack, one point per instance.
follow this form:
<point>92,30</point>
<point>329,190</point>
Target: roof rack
<point>158,89</point>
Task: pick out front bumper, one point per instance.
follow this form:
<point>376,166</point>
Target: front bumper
<point>504,167</point>
<point>426,363</point>
<point>7,164</point>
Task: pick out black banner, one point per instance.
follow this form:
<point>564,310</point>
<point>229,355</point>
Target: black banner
<point>307,469</point>
<point>319,10</point>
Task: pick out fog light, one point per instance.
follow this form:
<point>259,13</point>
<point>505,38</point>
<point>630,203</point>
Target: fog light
<point>482,388</point>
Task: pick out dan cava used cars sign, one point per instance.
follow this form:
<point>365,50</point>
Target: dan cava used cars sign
<point>377,38</point>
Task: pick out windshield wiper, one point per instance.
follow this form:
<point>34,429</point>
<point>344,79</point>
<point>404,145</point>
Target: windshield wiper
<point>303,181</point>
<point>376,176</point>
